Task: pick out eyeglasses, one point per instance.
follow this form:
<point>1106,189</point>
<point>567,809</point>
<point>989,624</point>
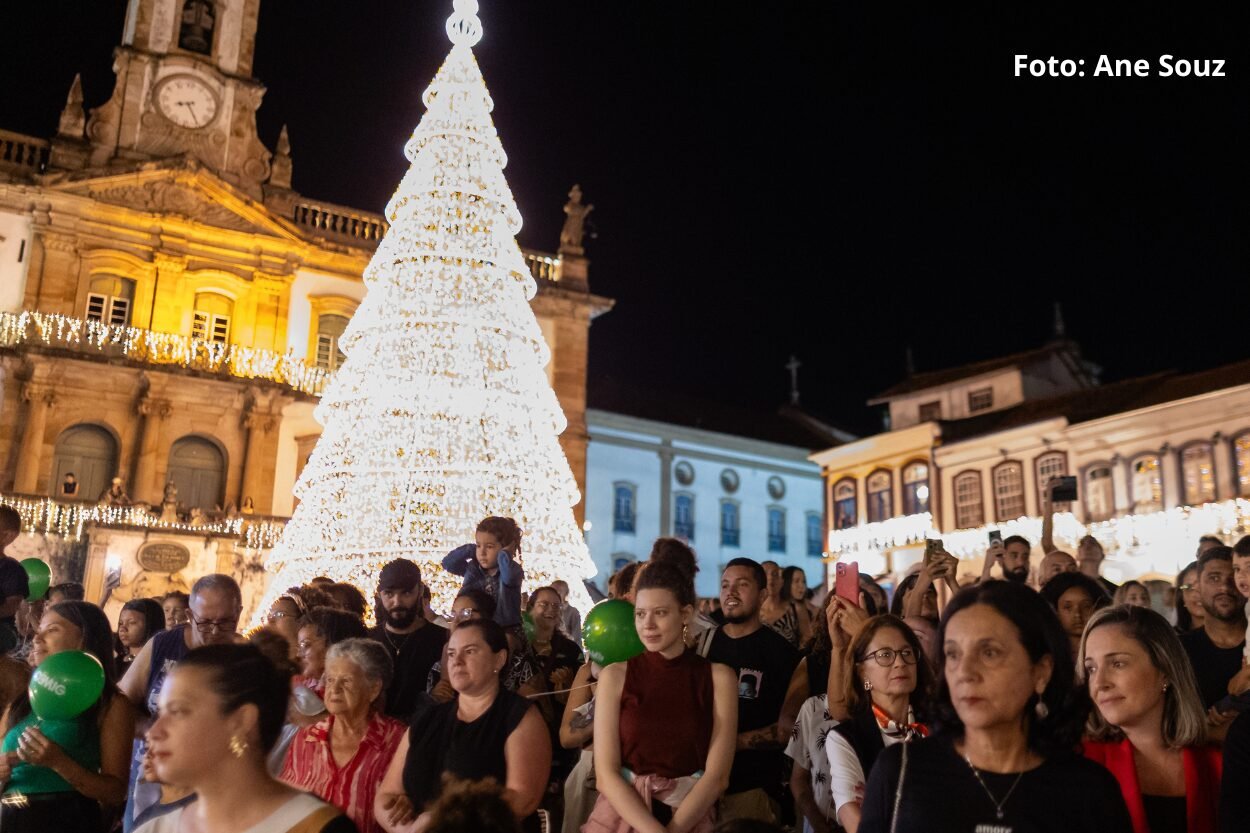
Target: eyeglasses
<point>467,613</point>
<point>275,615</point>
<point>1186,587</point>
<point>305,644</point>
<point>885,656</point>
<point>210,625</point>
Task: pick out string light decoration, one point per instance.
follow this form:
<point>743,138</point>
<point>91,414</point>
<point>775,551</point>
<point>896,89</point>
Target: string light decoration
<point>152,347</point>
<point>442,413</point>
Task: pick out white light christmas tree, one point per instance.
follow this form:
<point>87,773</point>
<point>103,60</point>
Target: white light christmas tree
<point>442,413</point>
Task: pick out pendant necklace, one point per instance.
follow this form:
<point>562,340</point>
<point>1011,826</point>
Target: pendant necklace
<point>998,805</point>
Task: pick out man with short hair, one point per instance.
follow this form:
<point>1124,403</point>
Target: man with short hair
<point>764,662</point>
<point>1215,649</point>
<point>66,591</point>
<point>1012,558</point>
<point>14,585</point>
<point>413,643</point>
<point>213,619</point>
<point>1052,564</point>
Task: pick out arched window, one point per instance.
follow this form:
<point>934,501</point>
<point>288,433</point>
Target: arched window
<point>196,32</point>
<point>1147,484</point>
<point>90,454</point>
<point>1241,457</point>
<point>969,508</point>
<point>880,487</point>
<point>110,299</point>
<point>1099,492</point>
<point>776,529</point>
<point>1048,465</point>
<point>624,495</point>
<point>683,517</point>
<point>844,511</point>
<point>730,533</point>
<point>1198,473</point>
<point>210,320</point>
<point>1008,491</point>
<point>329,329</point>
<point>915,488</point>
<point>198,469</point>
<point>815,534</point>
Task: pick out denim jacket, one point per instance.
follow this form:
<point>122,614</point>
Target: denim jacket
<point>462,561</point>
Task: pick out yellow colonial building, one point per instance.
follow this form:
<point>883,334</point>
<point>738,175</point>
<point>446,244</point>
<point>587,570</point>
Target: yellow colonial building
<point>170,308</point>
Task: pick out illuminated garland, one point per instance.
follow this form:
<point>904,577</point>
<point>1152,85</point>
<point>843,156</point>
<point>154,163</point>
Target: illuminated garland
<point>442,413</point>
<point>60,331</point>
<point>50,517</point>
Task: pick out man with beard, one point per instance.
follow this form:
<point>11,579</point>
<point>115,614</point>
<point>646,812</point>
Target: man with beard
<point>764,662</point>
<point>413,643</point>
<point>1012,557</point>
<point>1215,649</point>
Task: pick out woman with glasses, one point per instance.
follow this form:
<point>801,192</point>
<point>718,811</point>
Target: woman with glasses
<point>321,628</point>
<point>469,606</point>
<point>212,619</point>
<point>287,611</point>
<point>886,693</point>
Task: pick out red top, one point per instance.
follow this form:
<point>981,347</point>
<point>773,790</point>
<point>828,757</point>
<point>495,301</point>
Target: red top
<point>1203,766</point>
<point>666,714</point>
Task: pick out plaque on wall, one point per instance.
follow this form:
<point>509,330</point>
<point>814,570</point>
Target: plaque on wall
<point>164,558</point>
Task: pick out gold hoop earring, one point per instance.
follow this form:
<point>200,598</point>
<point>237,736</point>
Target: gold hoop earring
<point>237,746</point>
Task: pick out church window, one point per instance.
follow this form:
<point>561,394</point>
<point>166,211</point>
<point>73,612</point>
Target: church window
<point>1198,473</point>
<point>969,510</point>
<point>1008,491</point>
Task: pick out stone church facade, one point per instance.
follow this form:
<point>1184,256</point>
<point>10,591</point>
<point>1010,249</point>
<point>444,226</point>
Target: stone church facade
<point>170,306</point>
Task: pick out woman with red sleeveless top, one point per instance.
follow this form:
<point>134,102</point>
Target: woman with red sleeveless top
<point>666,721</point>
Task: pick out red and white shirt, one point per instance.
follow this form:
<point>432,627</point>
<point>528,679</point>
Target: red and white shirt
<point>310,766</point>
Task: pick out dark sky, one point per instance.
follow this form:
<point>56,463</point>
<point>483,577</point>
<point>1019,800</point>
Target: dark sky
<point>780,177</point>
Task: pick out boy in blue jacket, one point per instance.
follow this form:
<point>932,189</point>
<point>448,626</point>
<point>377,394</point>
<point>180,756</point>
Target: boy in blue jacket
<point>490,565</point>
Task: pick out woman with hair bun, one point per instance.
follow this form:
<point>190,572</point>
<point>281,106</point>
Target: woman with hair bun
<point>1011,719</point>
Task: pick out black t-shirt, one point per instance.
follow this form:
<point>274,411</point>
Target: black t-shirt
<point>1235,783</point>
<point>413,654</point>
<point>13,581</point>
<point>1066,794</point>
<point>764,662</point>
<point>1213,666</point>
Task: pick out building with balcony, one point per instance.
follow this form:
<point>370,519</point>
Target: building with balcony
<point>170,307</point>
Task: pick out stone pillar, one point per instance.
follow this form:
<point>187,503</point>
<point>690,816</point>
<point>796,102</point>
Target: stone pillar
<point>167,306</point>
<point>1171,479</point>
<point>1224,470</point>
<point>256,485</point>
<point>30,456</point>
<point>666,489</point>
<point>1122,481</point>
<point>97,563</point>
<point>153,413</point>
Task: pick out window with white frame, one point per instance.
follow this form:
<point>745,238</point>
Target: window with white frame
<point>1008,491</point>
<point>815,534</point>
<point>1048,465</point>
<point>1198,474</point>
<point>623,519</point>
<point>729,528</point>
<point>981,399</point>
<point>210,321</point>
<point>1099,492</point>
<point>879,486</point>
<point>329,330</point>
<point>915,488</point>
<point>969,507</point>
<point>683,517</point>
<point>844,510</point>
<point>776,529</point>
<point>110,299</point>
<point>1147,484</point>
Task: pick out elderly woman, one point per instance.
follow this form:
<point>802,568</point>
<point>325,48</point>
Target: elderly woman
<point>139,621</point>
<point>1010,722</point>
<point>1148,725</point>
<point>343,758</point>
<point>485,732</point>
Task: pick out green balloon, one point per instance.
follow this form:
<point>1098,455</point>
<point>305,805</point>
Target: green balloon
<point>609,632</point>
<point>527,625</point>
<point>38,577</point>
<point>65,685</point>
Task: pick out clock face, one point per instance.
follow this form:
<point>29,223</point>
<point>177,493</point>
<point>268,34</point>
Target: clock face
<point>186,101</point>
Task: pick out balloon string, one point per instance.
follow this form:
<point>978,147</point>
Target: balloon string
<point>561,691</point>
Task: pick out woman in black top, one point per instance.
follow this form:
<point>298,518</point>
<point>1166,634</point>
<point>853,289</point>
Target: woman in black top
<point>1011,718</point>
<point>485,732</point>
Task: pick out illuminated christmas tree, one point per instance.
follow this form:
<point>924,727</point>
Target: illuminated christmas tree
<point>442,413</point>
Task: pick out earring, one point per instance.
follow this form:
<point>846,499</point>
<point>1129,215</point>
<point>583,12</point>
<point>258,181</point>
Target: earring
<point>1165,686</point>
<point>237,746</point>
<point>1042,710</point>
<point>867,686</point>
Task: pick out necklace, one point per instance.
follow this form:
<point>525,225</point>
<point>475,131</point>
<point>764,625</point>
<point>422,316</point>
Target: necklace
<point>402,642</point>
<point>998,805</point>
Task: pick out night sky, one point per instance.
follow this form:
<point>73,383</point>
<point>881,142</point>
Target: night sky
<point>780,178</point>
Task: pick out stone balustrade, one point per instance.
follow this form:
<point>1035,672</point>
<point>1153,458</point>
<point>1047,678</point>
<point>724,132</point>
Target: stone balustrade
<point>20,152</point>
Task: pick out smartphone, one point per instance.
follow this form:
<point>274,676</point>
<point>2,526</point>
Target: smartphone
<point>1063,489</point>
<point>996,537</point>
<point>846,582</point>
<point>932,547</point>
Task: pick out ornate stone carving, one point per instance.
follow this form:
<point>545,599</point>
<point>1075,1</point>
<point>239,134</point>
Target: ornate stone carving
<point>574,223</point>
<point>165,197</point>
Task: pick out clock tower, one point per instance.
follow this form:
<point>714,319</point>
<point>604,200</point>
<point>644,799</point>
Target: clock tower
<point>184,87</point>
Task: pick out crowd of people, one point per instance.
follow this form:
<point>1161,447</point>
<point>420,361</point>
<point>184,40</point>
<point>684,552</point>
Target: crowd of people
<point>1038,696</point>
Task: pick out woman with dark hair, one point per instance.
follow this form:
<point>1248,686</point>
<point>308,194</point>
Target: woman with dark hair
<point>320,628</point>
<point>63,770</point>
<point>794,582</point>
<point>666,721</point>
<point>550,659</point>
<point>1148,725</point>
<point>781,612</point>
<point>1010,719</point>
<point>348,597</point>
<point>288,611</point>
<point>872,596</point>
<point>885,661</point>
<point>221,710</point>
<point>139,621</point>
<point>1190,614</point>
<point>485,732</point>
<point>1075,597</point>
